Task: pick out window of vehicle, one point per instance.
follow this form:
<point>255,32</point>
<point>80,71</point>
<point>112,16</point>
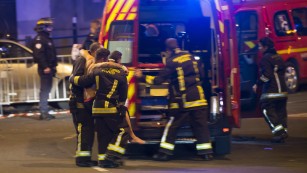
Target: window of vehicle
<point>10,50</point>
<point>121,39</point>
<point>247,36</point>
<point>152,37</point>
<point>282,24</point>
<point>247,31</point>
<point>300,20</point>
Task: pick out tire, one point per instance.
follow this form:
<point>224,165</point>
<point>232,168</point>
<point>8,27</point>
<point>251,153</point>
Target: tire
<point>291,77</point>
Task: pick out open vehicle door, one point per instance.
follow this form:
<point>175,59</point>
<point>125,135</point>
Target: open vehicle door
<point>228,47</point>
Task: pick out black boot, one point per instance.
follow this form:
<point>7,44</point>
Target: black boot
<point>88,163</point>
<point>161,157</point>
<point>278,139</point>
<point>108,164</point>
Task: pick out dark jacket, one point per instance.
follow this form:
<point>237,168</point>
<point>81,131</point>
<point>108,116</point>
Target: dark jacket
<point>78,70</point>
<point>44,52</point>
<point>183,74</point>
<point>272,76</point>
<point>90,38</point>
<point>111,85</point>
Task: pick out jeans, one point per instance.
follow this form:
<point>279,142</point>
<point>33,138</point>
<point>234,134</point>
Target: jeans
<point>45,88</point>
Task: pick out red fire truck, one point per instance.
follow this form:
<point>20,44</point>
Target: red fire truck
<point>138,28</point>
<point>285,21</point>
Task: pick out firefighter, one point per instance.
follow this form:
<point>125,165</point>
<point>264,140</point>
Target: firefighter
<point>186,101</point>
<point>116,57</point>
<point>273,100</point>
<point>82,117</point>
<point>108,109</point>
<point>81,102</point>
<point>44,55</point>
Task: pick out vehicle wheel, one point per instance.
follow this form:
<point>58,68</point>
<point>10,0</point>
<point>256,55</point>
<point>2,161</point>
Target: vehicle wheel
<point>291,77</point>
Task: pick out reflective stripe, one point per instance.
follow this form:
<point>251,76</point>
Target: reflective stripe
<point>182,58</point>
<point>204,146</point>
<point>180,77</point>
<point>80,105</point>
<point>277,78</point>
<point>201,92</point>
<point>149,79</point>
<point>101,156</point>
<point>97,82</point>
<point>196,70</point>
<point>117,149</point>
<point>119,137</point>
<point>277,128</point>
<point>267,118</point>
<point>195,103</point>
<point>264,79</point>
<point>174,106</point>
<point>79,137</point>
<point>273,95</point>
<point>104,110</point>
<point>83,153</point>
<point>167,146</point>
<point>76,79</point>
<point>163,144</point>
<point>106,104</point>
<point>250,44</point>
<point>113,89</point>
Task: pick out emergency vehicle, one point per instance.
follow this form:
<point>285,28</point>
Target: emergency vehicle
<point>285,22</point>
<point>206,28</point>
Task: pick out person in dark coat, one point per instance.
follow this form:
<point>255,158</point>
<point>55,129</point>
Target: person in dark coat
<point>44,55</point>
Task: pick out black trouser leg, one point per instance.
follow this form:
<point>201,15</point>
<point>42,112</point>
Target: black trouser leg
<point>84,126</point>
<point>106,127</point>
<point>177,118</point>
<point>271,116</point>
<point>117,147</point>
<point>199,124</point>
<point>281,110</point>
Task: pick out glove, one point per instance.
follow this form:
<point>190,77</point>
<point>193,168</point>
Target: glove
<point>122,110</point>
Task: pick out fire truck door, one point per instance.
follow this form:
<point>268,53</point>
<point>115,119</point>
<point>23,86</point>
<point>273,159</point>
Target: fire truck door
<point>226,30</point>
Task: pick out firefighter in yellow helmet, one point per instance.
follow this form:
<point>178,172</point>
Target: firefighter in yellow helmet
<point>186,101</point>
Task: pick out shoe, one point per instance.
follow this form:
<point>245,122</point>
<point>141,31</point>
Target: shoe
<point>278,139</point>
<point>206,157</point>
<point>284,135</point>
<point>46,117</point>
<point>161,157</point>
<point>88,163</point>
<point>108,164</point>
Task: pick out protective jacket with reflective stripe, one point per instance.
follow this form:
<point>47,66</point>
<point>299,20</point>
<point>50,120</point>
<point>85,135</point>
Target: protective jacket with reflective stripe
<point>272,71</point>
<point>111,85</point>
<point>78,70</point>
<point>183,74</point>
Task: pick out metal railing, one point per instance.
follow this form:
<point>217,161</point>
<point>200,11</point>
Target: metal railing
<point>19,81</point>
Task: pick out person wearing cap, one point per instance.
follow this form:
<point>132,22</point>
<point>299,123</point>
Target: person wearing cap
<point>186,101</point>
<point>44,55</point>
